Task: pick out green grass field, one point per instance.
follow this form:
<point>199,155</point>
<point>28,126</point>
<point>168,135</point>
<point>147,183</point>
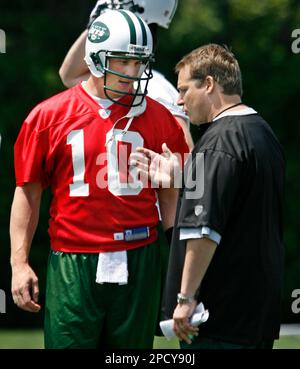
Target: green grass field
<point>33,339</point>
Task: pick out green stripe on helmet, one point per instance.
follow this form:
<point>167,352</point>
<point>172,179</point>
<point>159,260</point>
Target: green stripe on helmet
<point>144,32</point>
<point>131,27</point>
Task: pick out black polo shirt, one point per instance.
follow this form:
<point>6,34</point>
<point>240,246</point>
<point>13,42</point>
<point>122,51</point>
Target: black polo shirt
<point>241,198</point>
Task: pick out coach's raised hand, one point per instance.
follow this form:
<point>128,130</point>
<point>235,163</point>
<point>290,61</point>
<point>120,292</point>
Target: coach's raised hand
<point>163,169</point>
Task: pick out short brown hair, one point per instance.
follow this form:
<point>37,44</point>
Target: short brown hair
<point>216,61</point>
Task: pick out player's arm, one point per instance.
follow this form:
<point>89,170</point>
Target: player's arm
<point>74,68</point>
<point>167,198</point>
<point>23,223</point>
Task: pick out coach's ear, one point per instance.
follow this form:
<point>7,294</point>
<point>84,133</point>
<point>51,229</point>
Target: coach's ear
<point>210,84</point>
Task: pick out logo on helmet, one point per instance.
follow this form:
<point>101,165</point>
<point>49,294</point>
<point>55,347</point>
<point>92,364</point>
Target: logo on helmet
<point>98,32</point>
<point>137,49</point>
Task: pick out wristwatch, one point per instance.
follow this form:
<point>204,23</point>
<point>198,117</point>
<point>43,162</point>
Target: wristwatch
<point>182,299</point>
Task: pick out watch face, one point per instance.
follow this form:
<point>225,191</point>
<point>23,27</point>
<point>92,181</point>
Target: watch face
<point>181,299</point>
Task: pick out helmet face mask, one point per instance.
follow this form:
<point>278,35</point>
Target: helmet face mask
<point>120,34</point>
<point>137,95</point>
<point>120,4</point>
<point>113,4</point>
<point>145,74</point>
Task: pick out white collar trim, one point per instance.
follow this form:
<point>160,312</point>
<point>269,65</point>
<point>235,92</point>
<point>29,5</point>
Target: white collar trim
<point>246,111</point>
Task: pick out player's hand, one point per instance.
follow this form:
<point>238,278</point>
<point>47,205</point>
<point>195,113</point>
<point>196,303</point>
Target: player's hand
<point>163,169</point>
<point>182,327</point>
<point>97,10</point>
<point>25,288</point>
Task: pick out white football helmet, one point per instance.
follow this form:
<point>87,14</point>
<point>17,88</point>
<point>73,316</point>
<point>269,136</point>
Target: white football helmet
<point>160,12</point>
<point>120,34</point>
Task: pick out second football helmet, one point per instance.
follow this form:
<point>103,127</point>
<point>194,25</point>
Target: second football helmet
<point>159,12</point>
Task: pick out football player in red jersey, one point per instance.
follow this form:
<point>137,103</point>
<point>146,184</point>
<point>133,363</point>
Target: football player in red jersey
<point>103,278</point>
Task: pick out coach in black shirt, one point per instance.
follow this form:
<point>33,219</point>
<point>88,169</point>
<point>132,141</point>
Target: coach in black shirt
<point>227,248</point>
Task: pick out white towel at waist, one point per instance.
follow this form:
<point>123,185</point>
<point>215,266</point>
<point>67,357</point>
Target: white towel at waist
<point>112,267</point>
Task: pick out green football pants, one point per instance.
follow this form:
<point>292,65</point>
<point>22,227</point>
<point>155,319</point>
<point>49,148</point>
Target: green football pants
<point>81,313</point>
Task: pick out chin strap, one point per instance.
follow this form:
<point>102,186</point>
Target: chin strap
<point>134,111</point>
<point>137,110</point>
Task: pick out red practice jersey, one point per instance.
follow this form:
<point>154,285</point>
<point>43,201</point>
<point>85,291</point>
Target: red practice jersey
<point>69,143</point>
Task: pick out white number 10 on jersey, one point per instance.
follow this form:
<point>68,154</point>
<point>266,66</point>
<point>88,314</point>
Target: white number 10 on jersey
<point>114,161</point>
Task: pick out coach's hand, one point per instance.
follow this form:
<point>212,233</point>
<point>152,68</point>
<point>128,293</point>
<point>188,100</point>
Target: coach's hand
<point>163,169</point>
<point>25,288</point>
<point>182,327</point>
